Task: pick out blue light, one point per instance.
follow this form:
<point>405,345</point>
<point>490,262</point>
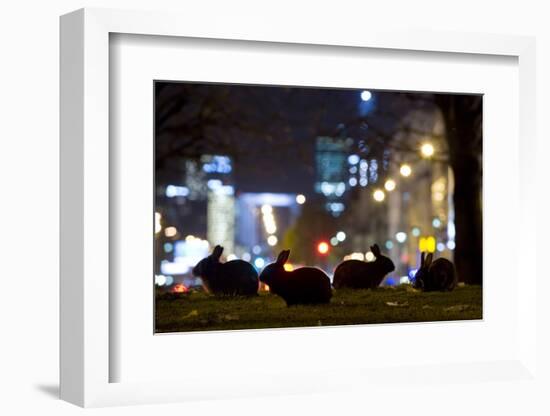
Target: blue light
<point>353,159</point>
<point>259,263</point>
<point>217,164</point>
<point>390,281</point>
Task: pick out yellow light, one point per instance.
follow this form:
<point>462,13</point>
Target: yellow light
<point>405,170</point>
<point>369,256</point>
<point>427,244</point>
<point>355,256</point>
<point>272,240</point>
<point>379,195</point>
<point>427,150</point>
<point>430,244</point>
<point>323,247</point>
<point>300,199</point>
<point>288,267</point>
<point>170,231</point>
<point>389,185</point>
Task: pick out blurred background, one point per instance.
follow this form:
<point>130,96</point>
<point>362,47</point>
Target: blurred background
<point>323,172</point>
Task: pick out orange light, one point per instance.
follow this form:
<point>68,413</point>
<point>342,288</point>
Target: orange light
<point>323,247</point>
<point>179,288</point>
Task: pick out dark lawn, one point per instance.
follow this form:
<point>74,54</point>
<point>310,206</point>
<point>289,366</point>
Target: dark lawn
<point>197,311</point>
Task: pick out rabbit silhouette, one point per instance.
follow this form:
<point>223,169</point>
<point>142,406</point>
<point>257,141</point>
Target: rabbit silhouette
<point>439,275</point>
<point>358,274</point>
<point>235,277</point>
<point>305,285</point>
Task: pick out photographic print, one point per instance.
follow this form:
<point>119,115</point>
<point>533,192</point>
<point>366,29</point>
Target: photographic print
<point>285,206</point>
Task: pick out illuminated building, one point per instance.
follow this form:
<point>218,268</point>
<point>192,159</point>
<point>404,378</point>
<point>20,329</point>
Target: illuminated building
<point>261,215</point>
<point>221,215</point>
<point>332,173</point>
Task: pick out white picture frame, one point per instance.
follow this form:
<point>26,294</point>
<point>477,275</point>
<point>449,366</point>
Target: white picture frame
<point>85,217</point>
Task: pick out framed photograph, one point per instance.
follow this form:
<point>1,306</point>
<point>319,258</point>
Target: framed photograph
<point>281,213</point>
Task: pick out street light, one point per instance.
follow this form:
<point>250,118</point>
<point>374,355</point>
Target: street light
<point>366,95</point>
<point>158,225</point>
<point>322,247</point>
<point>427,150</point>
<point>405,170</point>
<point>378,195</point>
<point>389,185</point>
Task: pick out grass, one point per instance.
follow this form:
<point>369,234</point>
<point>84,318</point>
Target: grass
<point>198,311</point>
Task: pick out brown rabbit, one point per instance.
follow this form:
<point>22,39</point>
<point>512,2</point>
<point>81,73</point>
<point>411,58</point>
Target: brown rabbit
<point>439,275</point>
<point>358,274</point>
<point>306,285</point>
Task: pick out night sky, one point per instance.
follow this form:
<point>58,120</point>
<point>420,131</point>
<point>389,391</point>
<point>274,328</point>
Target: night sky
<point>269,131</point>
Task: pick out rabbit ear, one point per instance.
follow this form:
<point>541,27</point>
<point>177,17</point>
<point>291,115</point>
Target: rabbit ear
<point>283,256</point>
<point>422,258</point>
<point>429,259</point>
<point>375,250</point>
<point>217,252</point>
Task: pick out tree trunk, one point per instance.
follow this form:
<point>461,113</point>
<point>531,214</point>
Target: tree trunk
<point>462,115</point>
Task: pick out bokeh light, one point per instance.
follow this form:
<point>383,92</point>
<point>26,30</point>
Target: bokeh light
<point>379,195</point>
<point>405,170</point>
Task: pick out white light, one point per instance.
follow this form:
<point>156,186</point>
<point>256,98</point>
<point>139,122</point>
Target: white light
<point>440,247</point>
<point>340,189</point>
<point>427,150</point>
<point>272,240</point>
<point>300,199</point>
<point>169,280</point>
<point>173,191</point>
<point>341,236</point>
<point>404,280</point>
<point>352,181</point>
<point>334,241</point>
<point>158,226</point>
<point>328,188</point>
<point>170,231</point>
<point>256,249</point>
<point>363,182</point>
<point>369,256</point>
<point>451,231</point>
<point>389,185</point>
<point>364,165</point>
<point>246,256</point>
<point>379,195</point>
<point>401,237</point>
<point>405,170</point>
<point>214,184</point>
<point>436,222</point>
<point>259,262</point>
<point>160,280</point>
<point>190,237</point>
<point>415,231</point>
<point>366,95</point>
<point>451,245</point>
<point>355,256</point>
<point>231,257</point>
<point>353,159</point>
